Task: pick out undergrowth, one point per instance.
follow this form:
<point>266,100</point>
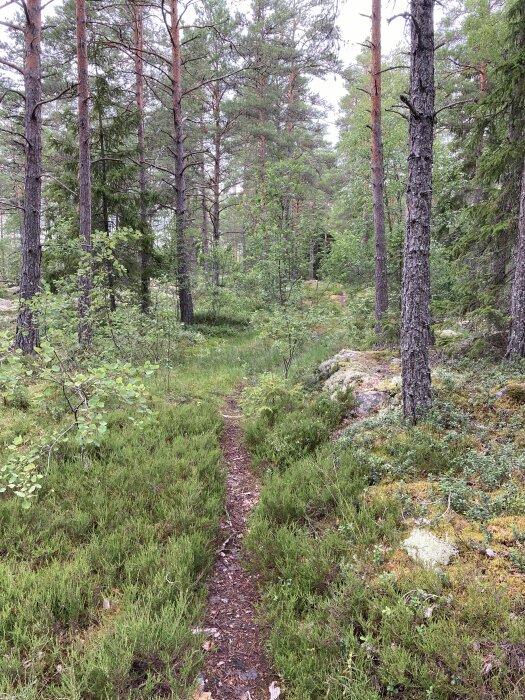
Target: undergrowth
<point>101,580</point>
<point>351,615</point>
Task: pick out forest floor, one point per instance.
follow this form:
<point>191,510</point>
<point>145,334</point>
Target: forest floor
<point>236,666</point>
<point>179,553</point>
<point>352,612</point>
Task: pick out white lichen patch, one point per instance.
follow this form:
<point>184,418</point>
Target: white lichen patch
<point>424,547</point>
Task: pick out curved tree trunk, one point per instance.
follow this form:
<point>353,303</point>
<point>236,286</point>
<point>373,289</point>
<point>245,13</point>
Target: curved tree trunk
<point>516,345</point>
<point>26,328</point>
<point>85,328</point>
<point>378,177</point>
<point>183,273</point>
<point>415,312</point>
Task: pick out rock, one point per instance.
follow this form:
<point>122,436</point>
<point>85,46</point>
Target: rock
<point>368,373</point>
<point>392,384</point>
<point>448,333</point>
<point>6,306</point>
<point>431,551</point>
<point>515,391</point>
<point>328,367</point>
<point>343,378</point>
<point>368,401</point>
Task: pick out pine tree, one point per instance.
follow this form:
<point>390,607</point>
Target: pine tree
<point>381,280</point>
<point>146,250</point>
<point>85,331</point>
<point>415,320</point>
<point>27,336</point>
<point>182,244</point>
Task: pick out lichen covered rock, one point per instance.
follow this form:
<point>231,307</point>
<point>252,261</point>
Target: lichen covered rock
<point>431,551</point>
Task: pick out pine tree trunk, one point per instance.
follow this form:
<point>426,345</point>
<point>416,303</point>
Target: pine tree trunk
<point>146,242</point>
<point>378,177</point>
<point>85,328</point>
<point>204,215</point>
<point>415,312</point>
<point>27,337</point>
<point>183,274</point>
<point>262,143</point>
<point>216,183</point>
<point>516,345</point>
<point>105,210</point>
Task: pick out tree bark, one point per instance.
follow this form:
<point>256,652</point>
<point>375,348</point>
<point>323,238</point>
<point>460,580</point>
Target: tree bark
<point>85,328</point>
<point>216,183</point>
<point>183,274</point>
<point>146,242</point>
<point>105,210</point>
<point>516,344</point>
<point>27,337</point>
<point>378,176</point>
<point>415,312</point>
<point>204,217</point>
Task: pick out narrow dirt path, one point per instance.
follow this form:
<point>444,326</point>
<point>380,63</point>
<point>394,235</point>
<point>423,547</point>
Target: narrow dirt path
<point>236,667</point>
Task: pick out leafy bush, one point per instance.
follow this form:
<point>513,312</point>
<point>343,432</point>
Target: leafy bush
<point>84,394</point>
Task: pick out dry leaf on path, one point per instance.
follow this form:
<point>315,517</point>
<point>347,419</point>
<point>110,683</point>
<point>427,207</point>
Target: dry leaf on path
<point>202,695</point>
<point>275,691</point>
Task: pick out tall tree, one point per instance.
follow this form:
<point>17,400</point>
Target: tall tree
<point>378,177</point>
<point>85,328</point>
<point>26,329</point>
<point>514,83</point>
<point>137,10</point>
<point>516,345</point>
<point>182,252</point>
<point>415,312</point>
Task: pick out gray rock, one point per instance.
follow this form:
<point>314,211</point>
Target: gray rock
<point>368,401</point>
<point>6,305</point>
<point>448,333</point>
<point>329,366</point>
<point>342,378</point>
<point>431,551</point>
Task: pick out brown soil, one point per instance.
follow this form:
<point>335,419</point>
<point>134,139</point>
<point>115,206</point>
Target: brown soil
<point>236,667</point>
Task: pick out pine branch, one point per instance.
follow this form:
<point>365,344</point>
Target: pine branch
<point>9,25</point>
<point>13,66</point>
<point>404,99</point>
<point>456,104</point>
<point>53,99</point>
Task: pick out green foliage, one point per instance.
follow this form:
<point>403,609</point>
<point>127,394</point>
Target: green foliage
<point>288,327</point>
<point>271,395</point>
<point>283,424</point>
<point>85,394</point>
<point>346,612</point>
<point>99,588</point>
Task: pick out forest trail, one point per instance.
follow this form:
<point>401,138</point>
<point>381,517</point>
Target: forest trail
<point>236,667</point>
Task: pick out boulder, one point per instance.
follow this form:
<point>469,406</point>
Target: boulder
<point>369,401</point>
<point>343,378</point>
<point>448,333</point>
<point>368,373</point>
<point>515,392</point>
<point>431,551</point>
<point>7,305</point>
